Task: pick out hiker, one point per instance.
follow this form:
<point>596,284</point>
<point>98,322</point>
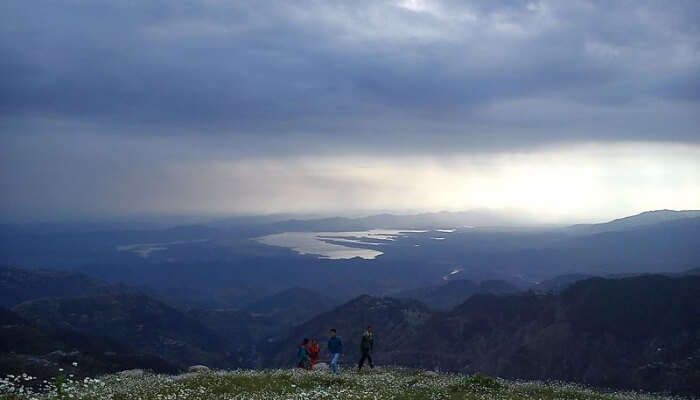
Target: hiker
<point>366,347</point>
<point>335,348</point>
<point>303,359</point>
<point>314,351</point>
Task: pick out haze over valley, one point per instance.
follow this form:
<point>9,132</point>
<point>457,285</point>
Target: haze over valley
<point>235,294</point>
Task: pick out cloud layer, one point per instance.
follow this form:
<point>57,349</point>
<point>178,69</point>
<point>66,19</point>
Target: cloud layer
<point>473,73</point>
<point>212,82</point>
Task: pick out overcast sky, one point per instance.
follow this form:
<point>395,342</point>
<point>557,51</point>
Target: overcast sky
<point>567,110</point>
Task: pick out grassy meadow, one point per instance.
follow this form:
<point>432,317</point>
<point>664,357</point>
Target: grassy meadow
<point>381,383</point>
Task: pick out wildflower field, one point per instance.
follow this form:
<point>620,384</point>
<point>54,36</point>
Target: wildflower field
<point>381,383</point>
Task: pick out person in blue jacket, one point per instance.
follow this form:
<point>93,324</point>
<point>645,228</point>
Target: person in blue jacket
<point>335,348</point>
<point>303,358</point>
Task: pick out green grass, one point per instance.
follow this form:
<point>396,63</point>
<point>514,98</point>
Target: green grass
<point>382,383</point>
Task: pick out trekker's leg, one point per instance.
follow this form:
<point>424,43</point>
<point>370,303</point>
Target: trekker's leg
<point>362,361</point>
<point>334,363</point>
<point>369,358</point>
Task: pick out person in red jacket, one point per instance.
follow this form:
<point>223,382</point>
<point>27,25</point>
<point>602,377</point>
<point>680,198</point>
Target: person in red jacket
<point>314,351</point>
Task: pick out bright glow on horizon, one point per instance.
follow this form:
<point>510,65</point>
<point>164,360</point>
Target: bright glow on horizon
<point>573,183</point>
<point>559,184</point>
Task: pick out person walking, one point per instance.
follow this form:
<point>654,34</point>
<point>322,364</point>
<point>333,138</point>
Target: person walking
<point>303,359</point>
<point>366,347</point>
<point>335,348</point>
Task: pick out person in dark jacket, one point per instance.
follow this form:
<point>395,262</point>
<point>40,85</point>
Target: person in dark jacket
<point>303,358</point>
<point>335,348</point>
<point>366,347</point>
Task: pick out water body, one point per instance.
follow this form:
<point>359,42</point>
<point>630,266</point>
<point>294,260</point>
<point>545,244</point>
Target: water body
<point>317,243</point>
<point>452,274</point>
<point>144,250</point>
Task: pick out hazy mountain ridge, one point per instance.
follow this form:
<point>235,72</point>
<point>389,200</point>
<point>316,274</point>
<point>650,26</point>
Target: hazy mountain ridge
<point>292,306</point>
<point>645,218</point>
<point>435,220</point>
<point>297,297</point>
<point>665,247</point>
<point>455,292</point>
<point>230,266</point>
<point>18,285</point>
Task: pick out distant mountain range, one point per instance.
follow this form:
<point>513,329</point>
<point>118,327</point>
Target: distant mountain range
<point>225,267</point>
<point>635,221</point>
<point>435,220</point>
<point>444,219</point>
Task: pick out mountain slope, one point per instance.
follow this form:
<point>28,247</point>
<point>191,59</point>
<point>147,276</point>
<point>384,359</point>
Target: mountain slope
<point>394,319</point>
<point>635,221</point>
<point>559,283</point>
<point>455,292</point>
<point>27,348</point>
<point>134,321</point>
<point>246,336</point>
<point>292,306</point>
<point>295,297</point>
<point>18,285</point>
<point>666,247</point>
<point>74,311</point>
<point>641,332</point>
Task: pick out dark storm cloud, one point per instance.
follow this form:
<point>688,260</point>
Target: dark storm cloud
<point>360,74</point>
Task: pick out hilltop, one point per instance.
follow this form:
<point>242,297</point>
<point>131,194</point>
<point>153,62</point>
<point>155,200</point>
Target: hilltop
<point>382,383</point>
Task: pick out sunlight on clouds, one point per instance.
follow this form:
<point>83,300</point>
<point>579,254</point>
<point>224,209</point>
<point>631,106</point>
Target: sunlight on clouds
<point>555,184</point>
<point>414,5</point>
